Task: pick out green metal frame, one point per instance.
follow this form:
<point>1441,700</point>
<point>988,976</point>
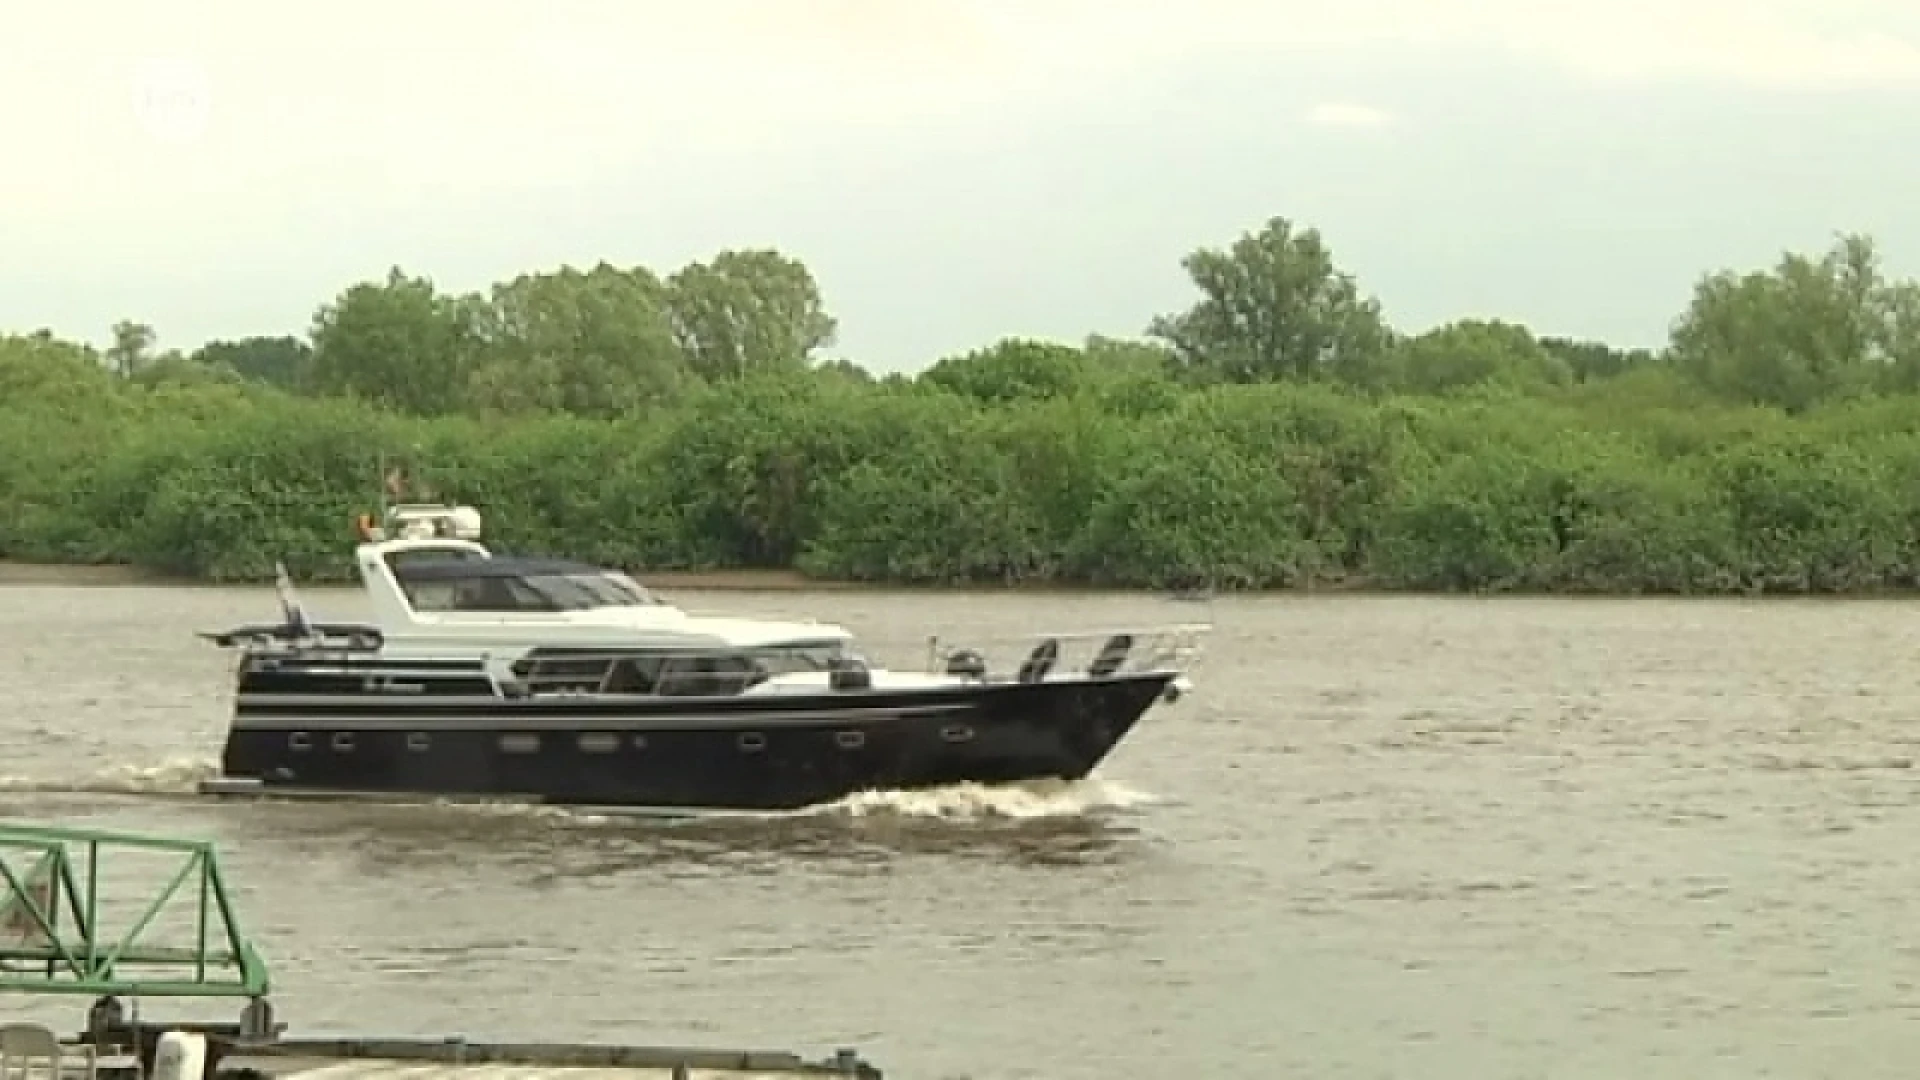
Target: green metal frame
<point>52,941</point>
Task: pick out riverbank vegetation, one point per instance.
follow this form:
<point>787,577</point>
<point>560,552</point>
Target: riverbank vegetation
<point>1278,432</point>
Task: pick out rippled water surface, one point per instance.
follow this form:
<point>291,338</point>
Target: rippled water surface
<point>1388,837</point>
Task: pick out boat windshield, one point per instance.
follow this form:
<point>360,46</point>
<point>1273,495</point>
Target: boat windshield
<point>494,586</point>
<point>578,592</point>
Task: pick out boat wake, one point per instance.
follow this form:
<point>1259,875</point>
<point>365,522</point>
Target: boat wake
<point>1039,800</point>
<point>173,776</point>
<point>178,778</point>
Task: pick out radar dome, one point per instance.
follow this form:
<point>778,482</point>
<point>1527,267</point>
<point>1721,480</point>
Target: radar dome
<point>464,522</point>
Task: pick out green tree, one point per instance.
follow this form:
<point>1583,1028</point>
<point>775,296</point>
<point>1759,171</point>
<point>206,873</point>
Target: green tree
<point>1775,447</point>
<point>1191,509</point>
<point>277,361</point>
<point>1132,379</point>
<point>1590,360</point>
<point>1806,331</point>
<point>1475,352</point>
<point>1012,369</point>
<point>842,368</point>
<point>1123,358</point>
<point>400,343</point>
<point>1274,306</point>
<point>747,311</point>
<point>597,343</point>
<point>61,408</point>
<point>132,348</point>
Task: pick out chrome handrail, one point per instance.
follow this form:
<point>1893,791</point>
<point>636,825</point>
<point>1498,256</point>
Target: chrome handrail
<point>1167,647</point>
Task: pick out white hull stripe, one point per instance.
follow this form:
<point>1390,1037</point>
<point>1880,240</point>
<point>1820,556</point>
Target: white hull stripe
<point>683,720</point>
<point>970,693</point>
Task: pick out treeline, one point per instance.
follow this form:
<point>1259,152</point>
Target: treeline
<point>1279,432</point>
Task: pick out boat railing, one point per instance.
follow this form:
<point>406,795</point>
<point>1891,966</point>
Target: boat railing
<point>68,923</point>
<point>665,671</point>
<point>119,916</point>
<point>1172,648</point>
<point>345,639</point>
<point>704,670</point>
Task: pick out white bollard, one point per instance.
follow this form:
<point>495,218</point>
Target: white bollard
<point>181,1055</point>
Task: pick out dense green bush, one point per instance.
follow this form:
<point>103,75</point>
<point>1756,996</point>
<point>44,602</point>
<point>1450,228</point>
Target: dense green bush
<point>1279,432</point>
<point>1278,484</point>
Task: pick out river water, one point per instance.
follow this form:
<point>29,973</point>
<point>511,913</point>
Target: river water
<point>1387,837</point>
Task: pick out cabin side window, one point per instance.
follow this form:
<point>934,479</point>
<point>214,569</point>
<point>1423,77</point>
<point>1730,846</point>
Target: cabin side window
<point>708,675</point>
<point>499,594</point>
<point>520,743</point>
<point>635,675</point>
<point>477,593</point>
<point>431,595</point>
<point>720,674</point>
<point>437,592</point>
<point>545,669</point>
<point>788,659</point>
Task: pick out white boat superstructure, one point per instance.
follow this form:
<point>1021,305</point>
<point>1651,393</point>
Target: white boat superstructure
<point>424,585</point>
<point>438,594</point>
<point>437,591</point>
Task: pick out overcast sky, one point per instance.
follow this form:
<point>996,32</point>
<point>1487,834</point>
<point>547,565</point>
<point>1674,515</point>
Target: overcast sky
<point>952,170</point>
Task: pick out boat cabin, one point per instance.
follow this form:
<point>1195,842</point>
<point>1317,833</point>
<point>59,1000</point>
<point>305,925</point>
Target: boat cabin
<point>426,562</point>
<point>576,626</point>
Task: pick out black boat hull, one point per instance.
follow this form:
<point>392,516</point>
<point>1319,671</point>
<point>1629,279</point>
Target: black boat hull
<point>753,753</point>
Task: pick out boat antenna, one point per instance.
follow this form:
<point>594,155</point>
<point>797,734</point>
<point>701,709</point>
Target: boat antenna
<point>393,485</point>
<point>290,607</point>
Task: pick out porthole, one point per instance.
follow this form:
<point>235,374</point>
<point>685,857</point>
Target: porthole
<point>639,742</point>
<point>299,740</point>
<point>343,741</point>
<point>599,742</point>
<point>850,740</point>
<point>956,733</point>
<point>752,742</point>
<point>419,741</point>
<point>520,744</point>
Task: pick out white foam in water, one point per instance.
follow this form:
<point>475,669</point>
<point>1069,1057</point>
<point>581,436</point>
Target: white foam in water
<point>1033,801</point>
<point>973,802</point>
<point>174,776</point>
